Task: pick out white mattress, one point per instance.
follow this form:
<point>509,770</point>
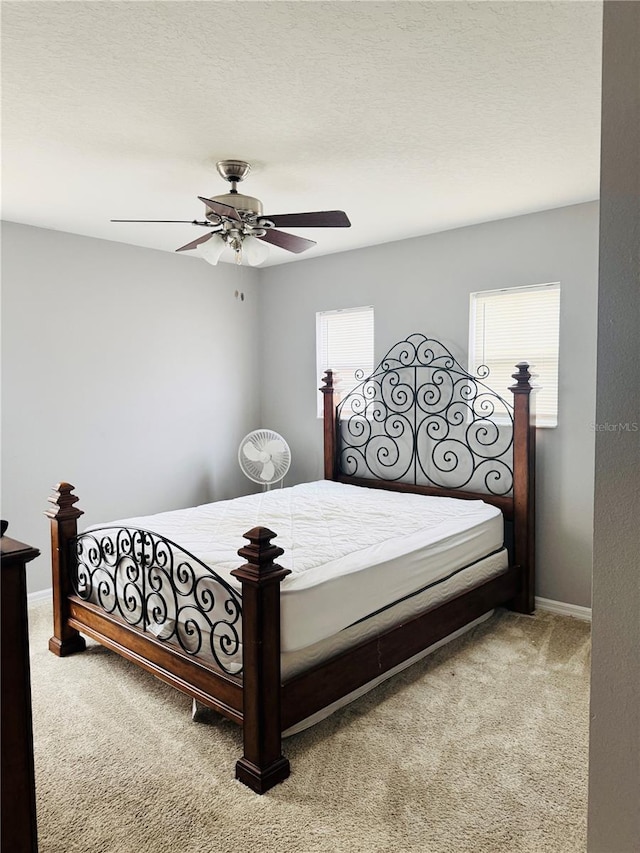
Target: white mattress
<point>295,662</point>
<point>352,551</point>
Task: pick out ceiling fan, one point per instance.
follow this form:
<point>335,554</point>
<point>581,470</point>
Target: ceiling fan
<point>236,221</point>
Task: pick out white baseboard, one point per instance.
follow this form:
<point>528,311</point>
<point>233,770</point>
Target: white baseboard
<point>40,595</point>
<point>563,609</point>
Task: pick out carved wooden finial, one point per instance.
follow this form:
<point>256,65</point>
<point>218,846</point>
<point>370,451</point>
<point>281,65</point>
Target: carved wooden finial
<point>522,377</point>
<point>260,554</point>
<point>63,501</point>
<point>327,379</point>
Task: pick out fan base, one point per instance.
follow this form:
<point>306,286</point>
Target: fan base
<point>233,170</point>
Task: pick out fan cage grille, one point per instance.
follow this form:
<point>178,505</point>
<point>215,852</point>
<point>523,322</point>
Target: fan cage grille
<point>260,439</point>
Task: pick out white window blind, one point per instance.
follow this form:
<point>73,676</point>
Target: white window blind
<point>518,324</point>
<point>344,344</point>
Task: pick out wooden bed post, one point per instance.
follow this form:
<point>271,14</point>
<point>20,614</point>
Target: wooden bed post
<point>330,434</point>
<point>524,462</point>
<point>64,527</point>
<point>262,766</point>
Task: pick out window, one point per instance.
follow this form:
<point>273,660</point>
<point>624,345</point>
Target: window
<point>344,344</point>
<point>518,324</point>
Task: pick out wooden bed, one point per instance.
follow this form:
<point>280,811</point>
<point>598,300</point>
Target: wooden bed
<point>420,423</point>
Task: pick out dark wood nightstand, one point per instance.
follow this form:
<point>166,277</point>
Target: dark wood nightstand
<point>19,831</point>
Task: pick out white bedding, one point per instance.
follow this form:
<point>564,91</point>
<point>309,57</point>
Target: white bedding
<point>351,550</point>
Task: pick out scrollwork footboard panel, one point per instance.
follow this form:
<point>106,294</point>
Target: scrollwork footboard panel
<point>157,587</point>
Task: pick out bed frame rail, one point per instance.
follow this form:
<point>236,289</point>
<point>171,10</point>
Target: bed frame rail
<point>216,690</point>
<point>314,689</point>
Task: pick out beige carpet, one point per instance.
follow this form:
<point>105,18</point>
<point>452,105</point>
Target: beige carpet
<point>481,747</point>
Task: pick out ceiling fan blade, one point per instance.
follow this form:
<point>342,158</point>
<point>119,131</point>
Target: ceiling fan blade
<point>189,221</point>
<point>194,243</point>
<point>319,219</point>
<point>221,209</point>
<point>290,242</point>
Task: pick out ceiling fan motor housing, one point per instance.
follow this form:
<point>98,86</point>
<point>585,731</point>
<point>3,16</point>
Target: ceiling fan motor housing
<point>242,203</point>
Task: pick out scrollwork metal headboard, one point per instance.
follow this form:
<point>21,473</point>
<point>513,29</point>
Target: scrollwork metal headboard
<point>421,418</point>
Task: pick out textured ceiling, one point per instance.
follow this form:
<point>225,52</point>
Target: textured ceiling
<point>413,117</point>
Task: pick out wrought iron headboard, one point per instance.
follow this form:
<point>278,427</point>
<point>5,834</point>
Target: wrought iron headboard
<point>421,418</point>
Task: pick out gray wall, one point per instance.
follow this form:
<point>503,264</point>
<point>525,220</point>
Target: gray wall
<point>133,373</point>
<point>129,372</point>
<point>614,760</point>
<point>423,284</point>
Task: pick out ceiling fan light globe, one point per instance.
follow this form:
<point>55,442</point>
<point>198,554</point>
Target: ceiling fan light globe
<point>211,250</point>
<point>254,251</point>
